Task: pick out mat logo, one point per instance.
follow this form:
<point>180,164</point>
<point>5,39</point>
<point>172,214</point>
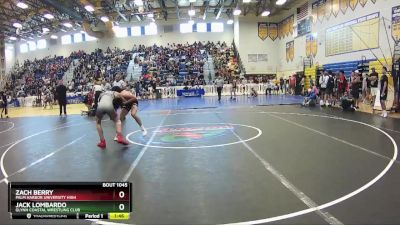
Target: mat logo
<point>192,134</point>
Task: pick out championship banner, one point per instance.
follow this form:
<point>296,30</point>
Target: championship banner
<point>335,7</point>
<point>344,4</point>
<point>287,51</point>
<point>328,9</point>
<point>308,45</point>
<point>396,23</point>
<point>291,24</point>
<point>314,11</point>
<point>314,46</point>
<point>262,30</point>
<point>363,2</point>
<point>285,28</point>
<point>321,10</point>
<point>353,4</point>
<point>291,50</point>
<point>279,30</point>
<point>273,31</point>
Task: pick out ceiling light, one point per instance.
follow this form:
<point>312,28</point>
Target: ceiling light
<point>54,36</point>
<point>30,38</point>
<point>230,21</point>
<point>191,22</point>
<point>89,8</point>
<point>104,19</point>
<point>152,19</point>
<point>48,16</point>
<point>13,38</point>
<point>237,12</point>
<point>22,5</point>
<point>138,2</point>
<point>150,15</point>
<point>63,30</point>
<point>192,12</point>
<point>17,25</point>
<point>138,18</point>
<point>246,1</point>
<point>45,30</point>
<point>192,1</point>
<point>82,32</point>
<point>280,2</point>
<point>265,13</point>
<point>67,25</point>
<point>78,24</point>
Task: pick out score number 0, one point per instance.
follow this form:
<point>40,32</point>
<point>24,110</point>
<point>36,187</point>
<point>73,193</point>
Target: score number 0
<point>121,195</point>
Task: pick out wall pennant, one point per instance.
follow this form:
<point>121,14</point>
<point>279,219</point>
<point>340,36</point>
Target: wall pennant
<point>363,2</point>
<point>262,30</point>
<point>314,11</point>
<point>335,7</point>
<point>308,45</point>
<point>353,4</point>
<point>321,10</point>
<point>291,24</point>
<point>273,31</point>
<point>328,9</point>
<point>344,4</point>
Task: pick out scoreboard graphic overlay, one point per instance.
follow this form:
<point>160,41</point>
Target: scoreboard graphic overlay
<point>72,200</point>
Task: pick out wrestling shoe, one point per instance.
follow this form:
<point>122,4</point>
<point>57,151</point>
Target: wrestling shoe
<point>122,140</point>
<point>144,132</point>
<point>102,144</point>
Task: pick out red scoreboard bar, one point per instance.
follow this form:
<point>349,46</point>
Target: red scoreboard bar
<point>69,200</point>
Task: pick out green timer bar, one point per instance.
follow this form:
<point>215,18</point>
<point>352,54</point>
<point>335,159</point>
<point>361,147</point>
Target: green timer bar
<point>65,200</point>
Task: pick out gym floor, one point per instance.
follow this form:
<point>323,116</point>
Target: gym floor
<point>282,164</point>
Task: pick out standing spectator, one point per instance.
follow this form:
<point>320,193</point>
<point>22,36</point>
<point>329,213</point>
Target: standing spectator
<point>62,97</point>
<point>342,85</point>
<point>355,87</point>
<point>119,82</point>
<point>302,83</point>
<point>323,82</point>
<point>282,84</point>
<point>311,81</point>
<point>3,104</point>
<point>373,79</point>
<point>384,91</point>
<point>219,82</point>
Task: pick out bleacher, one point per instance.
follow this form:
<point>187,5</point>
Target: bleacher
<point>348,67</point>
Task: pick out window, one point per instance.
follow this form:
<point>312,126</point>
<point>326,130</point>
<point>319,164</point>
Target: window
<point>23,48</point>
<point>89,38</point>
<point>32,45</point>
<point>201,27</point>
<point>77,37</point>
<point>217,27</point>
<point>150,29</point>
<point>120,31</point>
<point>66,39</point>
<point>41,44</point>
<point>186,28</point>
<point>136,31</point>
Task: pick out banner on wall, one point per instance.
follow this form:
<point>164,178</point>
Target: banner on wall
<point>396,23</point>
<point>363,2</point>
<point>308,46</point>
<point>304,26</point>
<point>335,7</point>
<point>328,9</point>
<point>273,31</point>
<point>344,4</point>
<point>353,4</point>
<point>314,45</point>
<point>289,51</point>
<point>279,30</point>
<point>262,30</point>
<point>291,24</point>
<point>321,10</point>
<point>314,11</point>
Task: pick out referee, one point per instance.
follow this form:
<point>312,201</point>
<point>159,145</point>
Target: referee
<point>219,82</point>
